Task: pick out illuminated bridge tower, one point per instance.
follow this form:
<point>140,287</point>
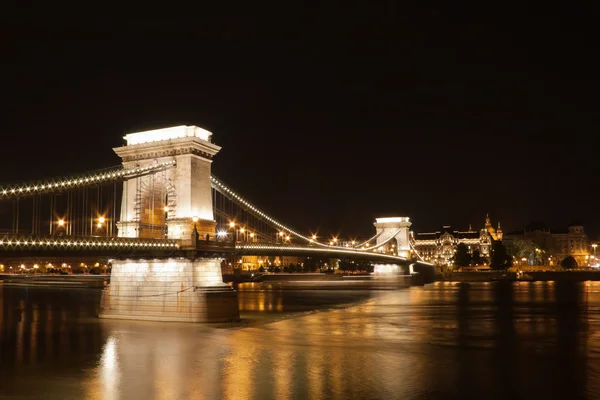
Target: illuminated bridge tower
<point>397,227</point>
<point>163,205</point>
<point>389,229</point>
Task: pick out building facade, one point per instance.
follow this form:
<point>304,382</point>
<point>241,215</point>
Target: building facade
<point>556,243</point>
<point>438,247</point>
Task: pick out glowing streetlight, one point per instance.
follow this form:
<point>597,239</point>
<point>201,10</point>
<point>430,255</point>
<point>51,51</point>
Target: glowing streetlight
<point>251,235</point>
<point>99,225</point>
<point>314,237</point>
<point>101,220</point>
<point>242,230</point>
<point>61,222</point>
<point>232,224</point>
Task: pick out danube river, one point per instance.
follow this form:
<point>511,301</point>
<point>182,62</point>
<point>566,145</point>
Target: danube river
<point>530,340</point>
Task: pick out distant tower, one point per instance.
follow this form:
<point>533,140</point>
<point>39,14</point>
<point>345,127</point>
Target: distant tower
<point>489,227</point>
<point>470,228</point>
<point>499,232</point>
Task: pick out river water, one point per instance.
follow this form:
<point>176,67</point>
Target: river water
<point>442,341</point>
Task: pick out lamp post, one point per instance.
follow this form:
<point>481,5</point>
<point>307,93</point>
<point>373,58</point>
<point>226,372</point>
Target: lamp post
<point>100,224</point>
<point>195,234</point>
<point>61,227</point>
<point>234,234</point>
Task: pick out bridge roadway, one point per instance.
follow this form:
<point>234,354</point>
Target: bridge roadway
<point>17,245</point>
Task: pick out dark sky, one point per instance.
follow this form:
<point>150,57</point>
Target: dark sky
<point>328,118</point>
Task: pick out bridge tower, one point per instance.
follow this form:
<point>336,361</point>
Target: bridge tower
<point>163,205</point>
<point>387,227</point>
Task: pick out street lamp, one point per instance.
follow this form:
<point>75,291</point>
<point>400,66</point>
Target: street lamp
<point>221,234</point>
<point>234,234</point>
<point>101,221</point>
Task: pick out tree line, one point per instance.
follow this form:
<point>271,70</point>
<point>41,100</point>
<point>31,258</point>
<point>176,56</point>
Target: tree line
<point>501,257</point>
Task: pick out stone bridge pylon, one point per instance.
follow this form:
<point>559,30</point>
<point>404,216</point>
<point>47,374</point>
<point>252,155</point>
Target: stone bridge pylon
<point>163,205</point>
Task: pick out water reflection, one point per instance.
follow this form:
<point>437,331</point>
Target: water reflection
<point>495,340</point>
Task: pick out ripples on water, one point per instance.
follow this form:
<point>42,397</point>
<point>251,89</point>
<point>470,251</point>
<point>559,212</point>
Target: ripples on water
<point>480,340</point>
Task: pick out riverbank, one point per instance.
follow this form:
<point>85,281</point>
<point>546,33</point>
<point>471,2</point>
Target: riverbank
<point>551,275</point>
<point>53,280</point>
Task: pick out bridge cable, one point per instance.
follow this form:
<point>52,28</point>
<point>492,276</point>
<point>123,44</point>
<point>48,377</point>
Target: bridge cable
<point>225,190</point>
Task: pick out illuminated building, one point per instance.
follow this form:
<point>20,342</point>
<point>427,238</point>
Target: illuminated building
<point>439,247</point>
<point>557,243</point>
<point>252,263</point>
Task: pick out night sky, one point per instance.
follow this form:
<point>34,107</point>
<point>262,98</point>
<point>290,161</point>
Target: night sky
<point>328,118</point>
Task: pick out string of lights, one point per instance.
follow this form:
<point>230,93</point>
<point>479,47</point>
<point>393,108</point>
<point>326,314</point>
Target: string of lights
<point>412,247</point>
<point>252,247</point>
<point>369,240</point>
<point>15,241</point>
<point>104,176</point>
<point>225,190</point>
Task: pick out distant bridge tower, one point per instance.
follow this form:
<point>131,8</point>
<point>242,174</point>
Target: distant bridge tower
<point>163,205</point>
<point>387,227</point>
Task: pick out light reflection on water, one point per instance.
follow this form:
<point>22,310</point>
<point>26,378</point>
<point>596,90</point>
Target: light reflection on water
<point>489,340</point>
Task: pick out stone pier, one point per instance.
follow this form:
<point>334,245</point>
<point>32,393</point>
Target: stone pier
<point>178,289</point>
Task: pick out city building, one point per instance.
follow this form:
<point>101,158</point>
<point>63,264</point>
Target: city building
<point>556,243</point>
<point>439,247</point>
<point>253,263</point>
